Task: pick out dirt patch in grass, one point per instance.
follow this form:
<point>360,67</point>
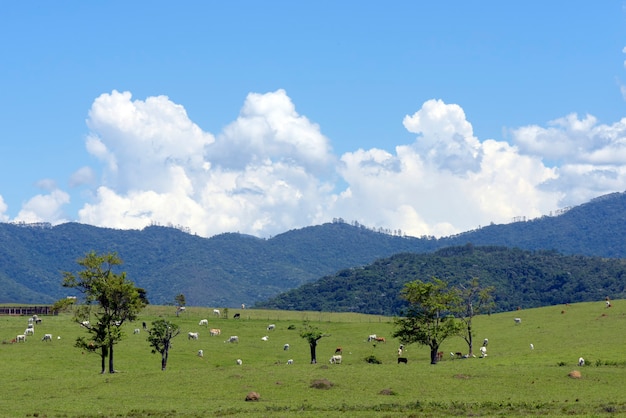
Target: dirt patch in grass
<point>387,392</point>
<point>461,376</point>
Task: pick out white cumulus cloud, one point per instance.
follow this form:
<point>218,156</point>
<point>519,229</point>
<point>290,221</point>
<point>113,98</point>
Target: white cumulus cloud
<point>272,169</point>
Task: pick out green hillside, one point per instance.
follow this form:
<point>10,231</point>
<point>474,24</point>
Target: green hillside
<point>520,278</point>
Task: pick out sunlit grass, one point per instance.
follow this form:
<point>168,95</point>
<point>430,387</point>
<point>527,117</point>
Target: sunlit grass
<point>56,379</point>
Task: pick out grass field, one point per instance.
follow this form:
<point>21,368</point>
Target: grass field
<point>55,379</point>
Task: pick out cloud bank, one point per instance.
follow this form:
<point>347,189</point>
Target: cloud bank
<point>272,170</point>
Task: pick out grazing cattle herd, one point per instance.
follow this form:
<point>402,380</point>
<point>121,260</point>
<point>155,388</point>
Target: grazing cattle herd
<point>336,358</point>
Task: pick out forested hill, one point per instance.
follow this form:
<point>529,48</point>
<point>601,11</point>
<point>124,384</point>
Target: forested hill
<point>521,279</point>
<point>230,269</point>
<point>225,270</point>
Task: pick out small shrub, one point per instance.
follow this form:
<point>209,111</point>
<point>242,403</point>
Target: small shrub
<point>561,363</point>
<point>372,360</point>
<point>291,326</point>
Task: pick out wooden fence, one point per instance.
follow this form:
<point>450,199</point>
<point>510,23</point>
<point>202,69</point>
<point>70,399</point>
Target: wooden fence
<point>27,310</point>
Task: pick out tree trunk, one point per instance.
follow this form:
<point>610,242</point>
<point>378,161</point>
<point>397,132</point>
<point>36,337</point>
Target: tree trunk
<point>164,358</point>
<point>471,342</point>
<point>433,354</point>
<point>111,368</point>
<point>313,345</point>
<point>103,357</point>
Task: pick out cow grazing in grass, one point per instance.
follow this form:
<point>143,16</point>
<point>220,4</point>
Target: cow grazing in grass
<point>232,339</point>
<point>237,315</point>
<point>336,359</point>
<point>403,360</point>
<point>47,337</point>
<point>214,332</point>
<point>203,322</point>
<point>338,350</point>
<point>270,327</point>
<point>217,312</point>
<point>192,335</point>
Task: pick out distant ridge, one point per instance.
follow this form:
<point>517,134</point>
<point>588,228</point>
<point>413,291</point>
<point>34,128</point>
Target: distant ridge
<point>229,269</point>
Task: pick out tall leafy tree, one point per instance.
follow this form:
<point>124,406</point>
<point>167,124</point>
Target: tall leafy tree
<point>312,334</point>
<point>428,319</point>
<point>109,298</point>
<point>160,338</point>
<point>473,299</point>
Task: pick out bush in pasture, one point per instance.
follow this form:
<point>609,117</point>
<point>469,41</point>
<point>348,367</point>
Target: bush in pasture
<point>372,360</point>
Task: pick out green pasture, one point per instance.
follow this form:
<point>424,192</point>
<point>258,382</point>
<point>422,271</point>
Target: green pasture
<point>55,379</point>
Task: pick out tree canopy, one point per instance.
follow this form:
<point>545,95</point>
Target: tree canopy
<point>312,334</point>
<point>109,298</point>
<point>160,338</point>
<point>428,319</point>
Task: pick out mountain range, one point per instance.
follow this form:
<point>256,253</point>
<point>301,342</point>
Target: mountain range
<point>230,269</point>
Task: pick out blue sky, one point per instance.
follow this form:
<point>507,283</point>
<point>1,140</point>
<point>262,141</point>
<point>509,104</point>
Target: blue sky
<point>427,117</point>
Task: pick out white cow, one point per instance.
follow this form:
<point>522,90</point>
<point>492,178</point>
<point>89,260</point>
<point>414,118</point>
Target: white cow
<point>581,361</point>
<point>204,322</point>
<point>136,331</point>
<point>29,331</point>
<point>271,327</point>
<point>85,324</point>
<point>217,312</point>
<point>371,338</point>
<point>286,347</point>
<point>232,339</point>
<point>239,362</point>
<point>265,338</point>
<point>483,351</point>
<point>336,359</point>
<point>290,361</point>
<point>192,335</point>
<point>21,338</point>
<point>47,337</point>
<point>517,320</point>
<point>200,353</point>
